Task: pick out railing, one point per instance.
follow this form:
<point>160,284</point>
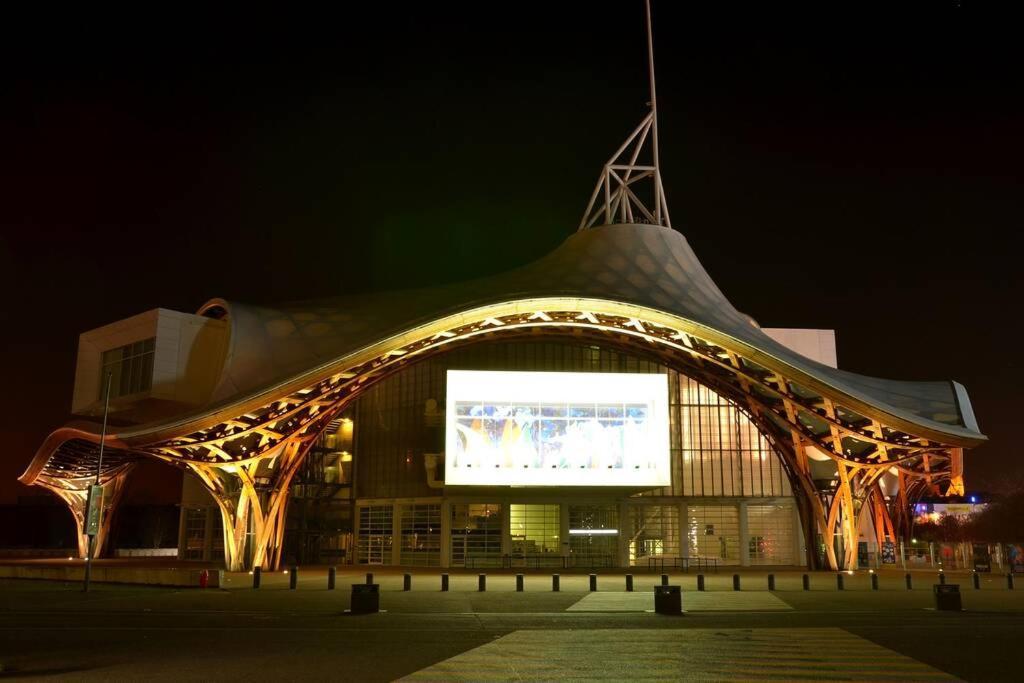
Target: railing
<point>700,563</point>
<point>541,561</point>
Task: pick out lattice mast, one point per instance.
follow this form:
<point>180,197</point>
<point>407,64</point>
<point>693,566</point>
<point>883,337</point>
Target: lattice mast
<point>615,199</point>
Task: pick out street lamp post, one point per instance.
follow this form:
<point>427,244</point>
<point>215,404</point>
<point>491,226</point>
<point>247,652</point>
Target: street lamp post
<point>94,507</point>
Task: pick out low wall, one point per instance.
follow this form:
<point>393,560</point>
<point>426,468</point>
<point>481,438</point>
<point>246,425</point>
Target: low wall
<point>148,576</point>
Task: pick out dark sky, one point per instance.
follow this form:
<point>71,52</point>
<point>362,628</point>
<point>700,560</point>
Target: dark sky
<point>855,169</point>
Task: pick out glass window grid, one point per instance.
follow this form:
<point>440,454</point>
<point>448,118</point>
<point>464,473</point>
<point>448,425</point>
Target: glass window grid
<point>714,532</point>
<point>716,449</point>
<point>130,367</point>
<point>195,533</point>
<point>653,532</point>
<point>476,532</point>
<point>771,533</point>
<point>421,535</point>
<point>375,534</point>
<point>535,530</point>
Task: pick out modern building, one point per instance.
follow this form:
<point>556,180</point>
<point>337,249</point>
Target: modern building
<point>605,405</point>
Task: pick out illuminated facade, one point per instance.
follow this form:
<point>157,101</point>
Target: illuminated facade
<point>334,407</point>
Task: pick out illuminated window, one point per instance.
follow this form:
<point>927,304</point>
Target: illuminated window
<point>476,535</point>
<point>535,534</point>
<point>771,529</point>
<point>130,368</point>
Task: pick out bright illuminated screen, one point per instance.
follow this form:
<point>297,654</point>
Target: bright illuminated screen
<point>556,429</point>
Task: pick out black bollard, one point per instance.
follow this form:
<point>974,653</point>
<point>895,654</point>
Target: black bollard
<point>942,578</point>
<point>874,582</point>
<point>332,575</point>
<point>593,582</point>
<point>735,582</point>
<point>664,579</point>
<point>369,578</point>
<point>444,582</point>
<point>555,582</point>
<point>1009,581</point>
<point>293,578</point>
<point>910,582</point>
<point>839,582</point>
<point>519,583</point>
<point>481,582</point>
<point>976,580</point>
<point>771,582</point>
<point>700,582</point>
<point>807,582</point>
<point>407,582</point>
<point>629,583</point>
<point>257,573</point>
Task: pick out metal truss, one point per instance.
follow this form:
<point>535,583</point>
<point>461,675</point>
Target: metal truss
<point>247,454</point>
<point>615,198</point>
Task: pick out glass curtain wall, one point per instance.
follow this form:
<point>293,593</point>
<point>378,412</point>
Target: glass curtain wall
<point>421,535</point>
<point>476,535</point>
<point>593,535</point>
<point>771,534</point>
<point>375,534</point>
<point>653,533</point>
<point>536,537</point>
<point>714,532</point>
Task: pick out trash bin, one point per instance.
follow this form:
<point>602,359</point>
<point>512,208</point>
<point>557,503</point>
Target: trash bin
<point>947,596</point>
<point>365,598</point>
<point>668,600</point>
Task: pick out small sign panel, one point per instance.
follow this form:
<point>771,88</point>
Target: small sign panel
<point>94,514</point>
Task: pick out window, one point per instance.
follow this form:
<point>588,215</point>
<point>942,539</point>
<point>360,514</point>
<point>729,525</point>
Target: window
<point>535,531</point>
<point>653,532</point>
<point>195,533</point>
<point>375,534</point>
<point>771,529</point>
<point>130,368</point>
<point>476,535</point>
<point>421,535</point>
<point>714,532</point>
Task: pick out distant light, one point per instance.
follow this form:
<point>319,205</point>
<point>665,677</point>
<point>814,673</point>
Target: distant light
<point>285,571</point>
<point>850,572</point>
<point>593,532</point>
<point>71,558</point>
<point>871,571</point>
<point>913,540</point>
<point>974,499</point>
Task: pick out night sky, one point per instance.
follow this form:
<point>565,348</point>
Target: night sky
<point>858,170</point>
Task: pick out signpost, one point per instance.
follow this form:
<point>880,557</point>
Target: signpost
<point>94,506</point>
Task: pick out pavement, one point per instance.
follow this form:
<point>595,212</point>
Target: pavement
<point>51,631</point>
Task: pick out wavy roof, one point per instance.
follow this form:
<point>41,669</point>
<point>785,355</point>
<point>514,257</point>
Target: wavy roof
<point>645,265</point>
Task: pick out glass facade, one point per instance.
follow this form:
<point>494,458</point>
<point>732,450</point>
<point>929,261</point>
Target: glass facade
<point>535,532</point>
<point>476,535</point>
<point>653,532</point>
<point>421,535</point>
<point>714,532</point>
<point>729,498</point>
<point>593,535</point>
<point>770,532</point>
<point>375,534</point>
<point>130,368</point>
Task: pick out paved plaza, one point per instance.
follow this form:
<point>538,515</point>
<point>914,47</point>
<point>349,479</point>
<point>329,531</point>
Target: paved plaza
<point>52,630</point>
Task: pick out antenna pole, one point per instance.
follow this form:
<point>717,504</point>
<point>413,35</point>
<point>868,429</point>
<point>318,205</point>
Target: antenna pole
<point>654,114</point>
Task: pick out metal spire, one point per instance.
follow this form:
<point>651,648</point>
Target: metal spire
<point>617,185</point>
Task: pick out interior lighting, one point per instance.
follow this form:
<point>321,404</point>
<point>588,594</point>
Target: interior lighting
<point>593,532</point>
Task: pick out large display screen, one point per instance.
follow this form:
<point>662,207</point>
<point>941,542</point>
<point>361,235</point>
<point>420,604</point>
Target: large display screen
<point>556,429</point>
